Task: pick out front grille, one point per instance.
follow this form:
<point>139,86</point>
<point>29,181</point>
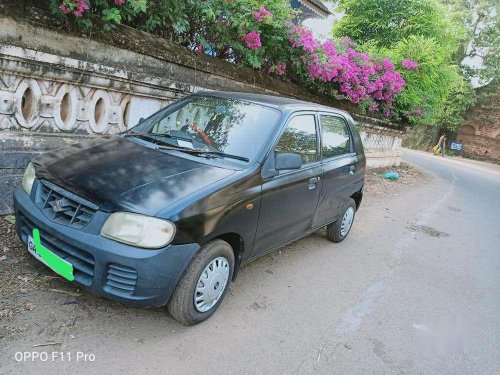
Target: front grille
<point>83,262</point>
<point>121,279</point>
<point>64,207</point>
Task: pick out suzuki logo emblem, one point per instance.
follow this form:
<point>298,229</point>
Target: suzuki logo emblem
<point>59,205</point>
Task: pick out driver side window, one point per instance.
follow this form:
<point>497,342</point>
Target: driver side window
<point>300,138</point>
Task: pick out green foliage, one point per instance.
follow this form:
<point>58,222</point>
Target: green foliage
<point>84,12</point>
<point>459,100</point>
<point>420,30</point>
<point>424,31</point>
<point>482,41</point>
<point>218,27</point>
<point>428,86</point>
<point>386,22</point>
<point>111,15</point>
<point>166,18</point>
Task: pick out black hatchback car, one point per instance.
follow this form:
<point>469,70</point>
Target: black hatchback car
<point>167,212</point>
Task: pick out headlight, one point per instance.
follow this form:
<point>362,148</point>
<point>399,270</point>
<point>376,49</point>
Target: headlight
<point>29,178</point>
<point>138,230</point>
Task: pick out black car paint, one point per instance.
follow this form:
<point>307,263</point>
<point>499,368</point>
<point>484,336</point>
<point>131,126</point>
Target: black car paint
<point>207,201</point>
<point>120,175</point>
<point>210,198</point>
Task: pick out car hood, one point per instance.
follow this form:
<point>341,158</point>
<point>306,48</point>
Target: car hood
<point>118,174</point>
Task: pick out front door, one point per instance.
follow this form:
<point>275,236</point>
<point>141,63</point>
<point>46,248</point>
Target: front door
<point>289,199</point>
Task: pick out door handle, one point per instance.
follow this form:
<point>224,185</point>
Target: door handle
<point>352,168</point>
<point>312,182</point>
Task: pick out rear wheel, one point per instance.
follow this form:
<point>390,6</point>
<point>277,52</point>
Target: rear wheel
<point>339,230</point>
<point>204,284</point>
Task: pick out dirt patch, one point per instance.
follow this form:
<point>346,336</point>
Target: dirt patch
<point>409,176</point>
<point>427,230</point>
<point>36,302</point>
<point>19,272</point>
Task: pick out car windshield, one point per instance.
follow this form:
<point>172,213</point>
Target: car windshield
<point>212,126</point>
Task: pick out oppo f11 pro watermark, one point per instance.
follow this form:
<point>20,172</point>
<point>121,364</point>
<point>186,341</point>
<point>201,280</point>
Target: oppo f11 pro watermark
<point>54,357</point>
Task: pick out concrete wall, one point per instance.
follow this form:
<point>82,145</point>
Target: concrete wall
<point>56,88</point>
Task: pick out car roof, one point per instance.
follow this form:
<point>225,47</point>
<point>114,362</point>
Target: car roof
<point>279,102</point>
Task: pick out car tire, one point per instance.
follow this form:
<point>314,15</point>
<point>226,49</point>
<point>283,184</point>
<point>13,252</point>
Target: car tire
<point>215,261</point>
<point>338,230</point>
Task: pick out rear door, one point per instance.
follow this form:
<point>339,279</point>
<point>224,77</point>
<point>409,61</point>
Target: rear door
<point>290,198</point>
<point>339,166</point>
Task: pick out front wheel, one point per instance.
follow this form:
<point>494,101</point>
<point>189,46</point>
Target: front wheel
<point>204,284</point>
<point>339,230</point>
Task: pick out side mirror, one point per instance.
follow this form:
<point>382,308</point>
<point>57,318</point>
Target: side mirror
<point>141,120</point>
<point>288,160</point>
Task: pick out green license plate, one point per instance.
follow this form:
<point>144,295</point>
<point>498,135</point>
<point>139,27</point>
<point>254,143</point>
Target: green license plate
<point>47,257</point>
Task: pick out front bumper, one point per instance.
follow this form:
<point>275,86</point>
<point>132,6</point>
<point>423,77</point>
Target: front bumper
<point>126,274</point>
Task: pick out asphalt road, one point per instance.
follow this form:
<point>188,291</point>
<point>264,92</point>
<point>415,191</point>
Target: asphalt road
<point>415,289</point>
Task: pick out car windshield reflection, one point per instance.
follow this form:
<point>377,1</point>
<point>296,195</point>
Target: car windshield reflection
<point>212,126</point>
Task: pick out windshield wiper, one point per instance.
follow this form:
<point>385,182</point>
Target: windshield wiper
<point>145,136</point>
<point>153,135</point>
<point>184,149</point>
<point>204,152</point>
<point>224,155</point>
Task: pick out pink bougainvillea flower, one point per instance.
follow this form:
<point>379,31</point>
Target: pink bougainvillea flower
<point>257,16</point>
<point>264,11</point>
<point>75,7</point>
<point>354,75</point>
<point>330,48</point>
<point>263,15</point>
<point>387,64</point>
<point>302,37</point>
<point>199,48</point>
<point>373,107</point>
<point>278,69</point>
<point>409,64</point>
<point>281,69</point>
<point>120,2</point>
<point>64,9</point>
<point>252,40</point>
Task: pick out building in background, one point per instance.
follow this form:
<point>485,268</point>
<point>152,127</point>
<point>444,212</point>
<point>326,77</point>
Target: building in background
<point>310,9</point>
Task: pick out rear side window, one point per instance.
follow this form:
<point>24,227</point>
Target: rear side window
<point>300,138</point>
<point>336,137</point>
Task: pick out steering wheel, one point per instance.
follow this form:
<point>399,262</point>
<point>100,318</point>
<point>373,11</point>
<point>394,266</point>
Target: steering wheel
<point>201,133</point>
